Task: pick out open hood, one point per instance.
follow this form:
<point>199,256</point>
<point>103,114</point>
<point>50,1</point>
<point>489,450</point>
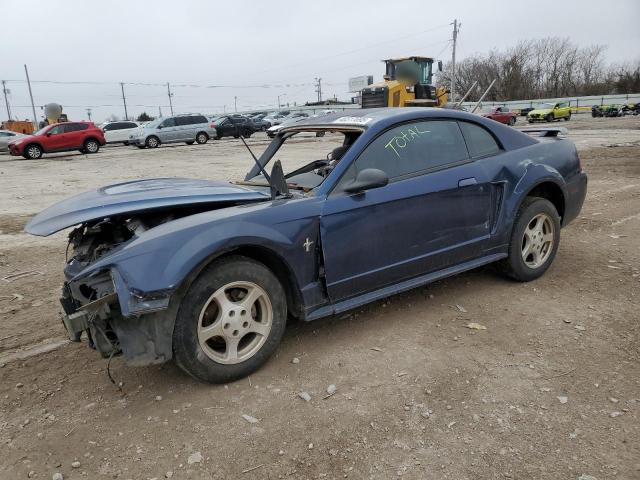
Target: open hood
<point>137,196</point>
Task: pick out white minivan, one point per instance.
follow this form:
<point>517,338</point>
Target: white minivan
<point>118,132</point>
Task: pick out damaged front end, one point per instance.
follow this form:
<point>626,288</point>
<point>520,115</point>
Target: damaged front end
<point>115,318</point>
<point>133,245</point>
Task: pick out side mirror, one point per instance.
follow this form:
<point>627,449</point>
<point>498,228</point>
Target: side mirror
<point>160,127</point>
<point>48,134</point>
<point>366,180</point>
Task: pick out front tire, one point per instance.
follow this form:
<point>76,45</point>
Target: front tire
<point>152,142</point>
<point>550,118</point>
<point>512,121</point>
<point>534,240</point>
<point>32,152</point>
<point>230,321</point>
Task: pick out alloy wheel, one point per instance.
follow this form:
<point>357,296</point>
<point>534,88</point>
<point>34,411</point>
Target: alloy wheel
<point>537,241</point>
<point>33,152</point>
<point>235,322</point>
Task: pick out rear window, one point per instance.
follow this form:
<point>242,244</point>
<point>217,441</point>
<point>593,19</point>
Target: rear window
<point>480,142</point>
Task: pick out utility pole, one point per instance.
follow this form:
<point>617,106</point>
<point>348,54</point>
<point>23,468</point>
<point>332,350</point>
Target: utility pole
<point>170,95</point>
<point>6,100</point>
<point>159,111</point>
<point>33,107</point>
<point>124,101</point>
<point>235,103</point>
<point>89,113</point>
<point>319,88</point>
<point>281,95</point>
<point>456,29</point>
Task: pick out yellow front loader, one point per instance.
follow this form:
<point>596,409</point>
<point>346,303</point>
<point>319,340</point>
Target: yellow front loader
<point>408,82</point>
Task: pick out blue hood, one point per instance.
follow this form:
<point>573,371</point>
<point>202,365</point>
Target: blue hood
<point>137,196</point>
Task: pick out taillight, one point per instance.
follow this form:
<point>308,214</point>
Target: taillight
<point>213,125</point>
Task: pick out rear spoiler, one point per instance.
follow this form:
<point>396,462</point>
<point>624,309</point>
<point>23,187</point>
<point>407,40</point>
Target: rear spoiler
<point>547,132</point>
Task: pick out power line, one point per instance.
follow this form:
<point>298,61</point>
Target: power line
<point>348,52</point>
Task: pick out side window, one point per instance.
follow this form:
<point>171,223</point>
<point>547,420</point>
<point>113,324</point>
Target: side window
<point>199,119</point>
<point>182,121</point>
<point>479,141</point>
<point>108,127</point>
<point>414,147</point>
<point>169,122</point>
<point>58,129</point>
<point>130,125</point>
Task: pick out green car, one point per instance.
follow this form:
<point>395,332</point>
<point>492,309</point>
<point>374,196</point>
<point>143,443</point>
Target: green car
<point>548,112</point>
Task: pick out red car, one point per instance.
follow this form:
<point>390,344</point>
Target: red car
<point>61,137</point>
<point>500,114</point>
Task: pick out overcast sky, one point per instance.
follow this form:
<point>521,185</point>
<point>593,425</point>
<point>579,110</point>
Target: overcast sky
<point>281,45</point>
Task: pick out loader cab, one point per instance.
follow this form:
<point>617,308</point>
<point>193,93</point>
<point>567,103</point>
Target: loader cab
<point>408,81</point>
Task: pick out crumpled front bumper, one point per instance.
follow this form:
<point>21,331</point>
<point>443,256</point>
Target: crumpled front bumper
<point>118,320</point>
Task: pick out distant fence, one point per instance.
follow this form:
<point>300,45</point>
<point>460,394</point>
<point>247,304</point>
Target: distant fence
<point>577,103</point>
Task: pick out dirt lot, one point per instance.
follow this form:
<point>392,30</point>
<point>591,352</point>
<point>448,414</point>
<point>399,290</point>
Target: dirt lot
<point>551,389</point>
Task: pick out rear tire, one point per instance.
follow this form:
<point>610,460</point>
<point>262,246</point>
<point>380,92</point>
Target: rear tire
<point>32,152</point>
<point>567,118</point>
<point>202,138</point>
<point>152,142</point>
<point>534,240</point>
<point>91,146</point>
<point>217,338</point>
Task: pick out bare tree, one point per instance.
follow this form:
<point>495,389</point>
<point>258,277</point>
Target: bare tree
<point>546,67</point>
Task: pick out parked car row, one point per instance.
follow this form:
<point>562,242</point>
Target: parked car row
<point>185,128</point>
<point>615,110</point>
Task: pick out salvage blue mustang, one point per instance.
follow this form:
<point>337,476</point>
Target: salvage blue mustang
<point>208,272</point>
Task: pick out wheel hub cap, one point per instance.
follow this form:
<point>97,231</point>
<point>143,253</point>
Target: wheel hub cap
<point>537,241</point>
<point>235,322</point>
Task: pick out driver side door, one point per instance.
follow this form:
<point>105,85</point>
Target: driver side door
<point>57,139</point>
<point>168,132</point>
<point>434,212</point>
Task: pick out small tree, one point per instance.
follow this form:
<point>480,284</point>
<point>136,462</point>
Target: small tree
<point>144,117</point>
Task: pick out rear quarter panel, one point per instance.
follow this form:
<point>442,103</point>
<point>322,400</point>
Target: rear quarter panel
<point>520,171</point>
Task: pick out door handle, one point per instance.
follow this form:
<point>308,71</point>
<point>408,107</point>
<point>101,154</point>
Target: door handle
<point>465,182</point>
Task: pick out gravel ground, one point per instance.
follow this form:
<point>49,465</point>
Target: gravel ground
<point>551,388</point>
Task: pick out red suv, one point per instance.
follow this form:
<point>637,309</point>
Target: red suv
<point>61,137</point>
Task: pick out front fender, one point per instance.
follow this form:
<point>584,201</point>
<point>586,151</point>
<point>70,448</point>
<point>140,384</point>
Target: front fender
<point>153,265</point>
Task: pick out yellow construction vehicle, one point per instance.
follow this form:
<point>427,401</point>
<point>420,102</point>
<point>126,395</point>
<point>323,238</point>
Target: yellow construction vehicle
<point>408,82</point>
